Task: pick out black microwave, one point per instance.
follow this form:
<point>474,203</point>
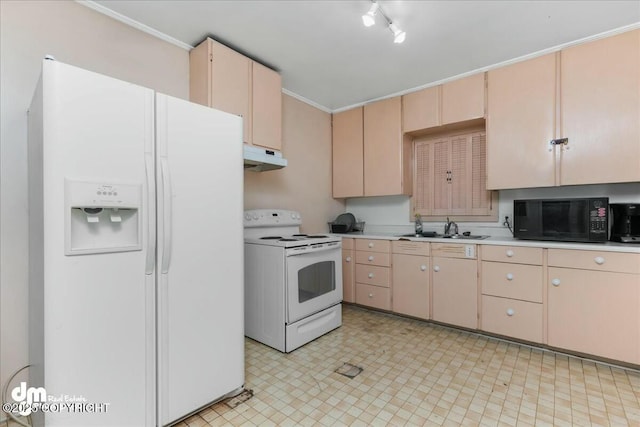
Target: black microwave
<point>568,220</point>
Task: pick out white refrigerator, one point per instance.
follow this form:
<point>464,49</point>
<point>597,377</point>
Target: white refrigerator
<point>135,251</point>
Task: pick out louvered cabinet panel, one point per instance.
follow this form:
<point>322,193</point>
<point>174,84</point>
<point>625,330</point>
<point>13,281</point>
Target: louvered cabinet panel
<point>458,175</point>
<point>423,177</point>
<point>480,197</point>
<point>451,176</point>
<point>441,173</point>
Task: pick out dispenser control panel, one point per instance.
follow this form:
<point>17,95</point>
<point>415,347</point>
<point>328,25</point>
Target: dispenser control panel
<point>102,217</point>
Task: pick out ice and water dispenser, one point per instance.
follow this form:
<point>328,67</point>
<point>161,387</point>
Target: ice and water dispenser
<point>102,217</point>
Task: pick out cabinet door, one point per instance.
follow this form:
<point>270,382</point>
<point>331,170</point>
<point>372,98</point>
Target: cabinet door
<point>463,99</point>
<point>600,83</point>
<point>421,109</point>
<point>520,124</point>
<point>451,176</point>
<point>455,291</point>
<point>348,275</point>
<point>595,312</point>
<point>410,285</point>
<point>348,174</point>
<point>230,89</point>
<point>383,148</point>
<point>266,107</point>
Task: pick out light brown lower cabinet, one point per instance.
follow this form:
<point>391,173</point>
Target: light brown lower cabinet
<point>512,318</point>
<point>348,271</point>
<point>455,291</point>
<point>592,309</point>
<point>410,278</point>
<point>373,296</point>
<point>373,273</point>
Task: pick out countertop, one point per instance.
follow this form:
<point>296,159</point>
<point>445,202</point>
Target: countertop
<point>505,241</point>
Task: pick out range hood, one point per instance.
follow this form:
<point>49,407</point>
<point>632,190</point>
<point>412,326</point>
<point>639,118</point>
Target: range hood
<point>258,159</point>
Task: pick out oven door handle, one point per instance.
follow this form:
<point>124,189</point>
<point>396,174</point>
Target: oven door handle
<point>312,250</point>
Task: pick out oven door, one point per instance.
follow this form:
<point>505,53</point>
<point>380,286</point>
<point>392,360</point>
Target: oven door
<point>314,279</point>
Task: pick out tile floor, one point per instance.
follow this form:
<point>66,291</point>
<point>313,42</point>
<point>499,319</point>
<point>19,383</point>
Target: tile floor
<point>416,373</point>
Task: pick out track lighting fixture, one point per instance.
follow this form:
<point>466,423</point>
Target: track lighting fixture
<point>369,19</point>
<point>398,34</point>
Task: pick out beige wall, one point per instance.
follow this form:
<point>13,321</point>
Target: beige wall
<point>79,36</point>
<point>305,184</point>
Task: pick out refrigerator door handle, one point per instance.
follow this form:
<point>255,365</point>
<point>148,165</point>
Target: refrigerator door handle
<point>151,226</point>
<point>166,223</point>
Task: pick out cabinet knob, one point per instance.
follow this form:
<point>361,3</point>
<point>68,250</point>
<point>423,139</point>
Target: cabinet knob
<point>555,282</point>
<point>423,267</point>
<point>509,276</point>
<point>348,259</point>
<point>370,275</point>
<point>509,253</point>
<point>370,257</point>
<point>370,295</point>
<point>371,244</point>
<point>510,312</point>
<point>436,268</point>
<point>599,260</point>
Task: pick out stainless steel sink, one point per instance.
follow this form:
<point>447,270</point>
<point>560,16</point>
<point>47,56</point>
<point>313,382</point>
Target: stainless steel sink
<point>443,236</point>
<point>463,237</point>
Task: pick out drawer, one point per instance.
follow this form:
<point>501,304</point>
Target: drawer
<point>453,250</point>
<point>373,296</point>
<point>373,258</point>
<point>518,281</point>
<point>373,245</point>
<point>410,248</point>
<point>515,254</point>
<point>512,318</point>
<point>347,243</point>
<point>595,260</point>
<point>373,275</point>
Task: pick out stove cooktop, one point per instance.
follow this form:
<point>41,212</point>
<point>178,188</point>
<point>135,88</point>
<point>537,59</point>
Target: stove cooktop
<point>292,240</point>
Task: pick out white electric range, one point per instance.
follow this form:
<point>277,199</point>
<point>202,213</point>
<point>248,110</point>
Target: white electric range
<point>293,281</point>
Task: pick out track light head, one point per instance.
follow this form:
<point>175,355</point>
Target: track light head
<point>398,34</point>
<point>369,18</point>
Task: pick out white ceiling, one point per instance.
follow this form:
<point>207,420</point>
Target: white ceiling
<point>328,57</point>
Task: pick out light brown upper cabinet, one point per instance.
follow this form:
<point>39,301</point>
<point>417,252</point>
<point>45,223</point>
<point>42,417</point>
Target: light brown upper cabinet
<point>266,107</point>
<point>520,123</point>
<point>348,174</point>
<point>600,114</point>
<point>588,94</point>
<point>457,101</point>
<point>222,78</point>
<point>387,156</point>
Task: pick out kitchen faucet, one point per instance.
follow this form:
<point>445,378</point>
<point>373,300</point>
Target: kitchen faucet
<point>447,228</point>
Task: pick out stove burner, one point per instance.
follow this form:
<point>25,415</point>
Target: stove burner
<point>317,236</point>
<point>288,240</point>
<point>271,238</point>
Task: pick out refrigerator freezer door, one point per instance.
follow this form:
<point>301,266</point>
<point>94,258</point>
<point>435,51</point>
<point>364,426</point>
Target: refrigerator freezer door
<point>91,316</point>
<point>200,297</point>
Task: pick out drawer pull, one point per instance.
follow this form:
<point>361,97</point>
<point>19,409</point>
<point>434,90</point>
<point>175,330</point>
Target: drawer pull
<point>509,276</point>
<point>370,257</point>
<point>371,244</point>
<point>599,260</point>
<point>436,268</point>
<point>370,295</point>
<point>510,312</point>
<point>423,267</point>
<point>555,282</point>
<point>348,259</point>
<point>370,275</point>
<point>509,253</point>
